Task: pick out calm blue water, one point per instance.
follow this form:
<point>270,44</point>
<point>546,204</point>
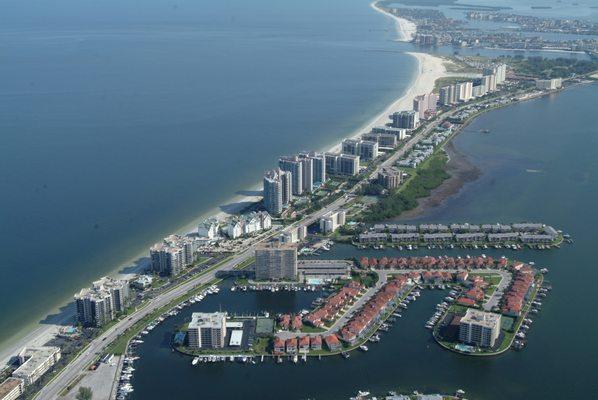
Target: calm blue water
<point>123,120</point>
<point>536,165</point>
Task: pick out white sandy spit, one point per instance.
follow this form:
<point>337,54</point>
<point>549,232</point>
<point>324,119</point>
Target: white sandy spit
<point>405,28</point>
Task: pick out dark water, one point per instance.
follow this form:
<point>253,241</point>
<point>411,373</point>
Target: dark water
<point>539,163</point>
<point>121,121</point>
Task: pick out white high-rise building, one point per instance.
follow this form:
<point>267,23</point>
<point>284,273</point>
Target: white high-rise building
<point>405,119</point>
<point>464,91</point>
<point>35,362</point>
<point>307,172</point>
<point>207,330</point>
<point>247,224</point>
<point>295,167</point>
<point>331,221</point>
<point>208,229</point>
<point>549,84</point>
<point>319,167</point>
<point>100,303</point>
<point>365,149</point>
<point>276,190</point>
<point>174,253</point>
<point>479,327</point>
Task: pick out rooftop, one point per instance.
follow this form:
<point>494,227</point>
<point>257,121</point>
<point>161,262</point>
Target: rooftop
<point>8,386</point>
<point>207,320</point>
<point>482,318</point>
<point>34,357</point>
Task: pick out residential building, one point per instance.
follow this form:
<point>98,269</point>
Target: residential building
<point>489,80</point>
<point>208,229</point>
<point>464,91</point>
<point>295,166</point>
<point>347,165</point>
<point>324,269</point>
<point>34,362</point>
<point>277,190</point>
<point>319,167</point>
<point>342,164</point>
<point>207,330</point>
<point>174,253</point>
<point>276,261</point>
<point>448,95</point>
<point>11,389</point>
<point>390,177</point>
<point>425,104</point>
<point>102,302</point>
<point>331,221</point>
<point>365,149</point>
<point>301,232</point>
<point>479,327</point>
<point>248,224</point>
<point>400,133</point>
<point>549,84</point>
<point>499,71</point>
<point>142,282</point>
<point>405,119</point>
<point>307,173</point>
<point>350,146</point>
<point>383,139</point>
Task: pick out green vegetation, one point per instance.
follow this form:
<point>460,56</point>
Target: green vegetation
<point>368,279</point>
<point>84,393</point>
<point>429,176</point>
<point>550,68</point>
<point>311,329</point>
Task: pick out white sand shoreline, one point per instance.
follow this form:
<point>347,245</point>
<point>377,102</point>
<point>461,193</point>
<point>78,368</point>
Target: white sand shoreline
<point>429,69</point>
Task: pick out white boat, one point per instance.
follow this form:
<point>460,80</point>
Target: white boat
<point>363,347</point>
<point>195,361</point>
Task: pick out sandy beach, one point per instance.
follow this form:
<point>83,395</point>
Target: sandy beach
<point>429,68</point>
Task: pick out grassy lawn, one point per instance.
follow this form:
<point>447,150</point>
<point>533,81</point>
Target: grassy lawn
<point>312,329</point>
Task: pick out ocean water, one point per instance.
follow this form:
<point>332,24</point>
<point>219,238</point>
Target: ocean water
<point>536,165</point>
<point>121,121</point>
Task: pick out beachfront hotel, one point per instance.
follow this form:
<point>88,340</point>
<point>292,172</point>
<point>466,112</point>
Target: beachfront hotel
<point>479,327</point>
<point>207,330</point>
<point>276,261</point>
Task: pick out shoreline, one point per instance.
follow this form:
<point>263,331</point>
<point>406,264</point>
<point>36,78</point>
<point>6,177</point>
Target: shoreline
<point>429,69</point>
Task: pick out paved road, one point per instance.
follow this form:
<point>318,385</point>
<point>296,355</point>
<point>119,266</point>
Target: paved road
<point>99,345</point>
